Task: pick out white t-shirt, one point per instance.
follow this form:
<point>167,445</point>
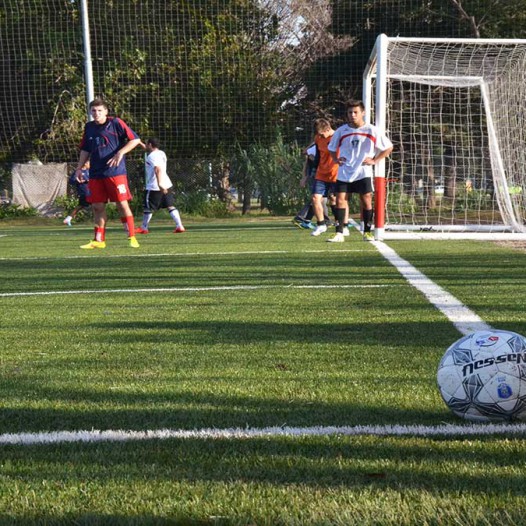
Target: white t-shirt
<point>156,158</point>
<point>355,145</point>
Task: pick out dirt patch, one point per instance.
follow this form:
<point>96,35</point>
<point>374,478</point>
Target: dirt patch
<point>517,245</point>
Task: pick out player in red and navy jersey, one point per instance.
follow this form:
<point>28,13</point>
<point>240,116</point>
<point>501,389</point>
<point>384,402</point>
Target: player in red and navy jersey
<point>105,142</point>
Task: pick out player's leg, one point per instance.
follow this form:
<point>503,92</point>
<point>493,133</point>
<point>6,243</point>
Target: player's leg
<point>119,193</point>
<point>100,218</point>
<point>341,207</point>
<point>341,203</point>
<point>331,200</point>
<point>318,193</point>
<point>98,197</point>
<point>125,212</point>
<point>149,207</point>
<point>366,202</point>
<point>169,203</point>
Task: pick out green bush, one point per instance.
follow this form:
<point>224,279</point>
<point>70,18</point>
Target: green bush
<point>12,210</point>
<point>68,203</point>
<point>274,172</point>
<point>197,203</point>
<point>200,203</point>
<point>399,202</point>
<point>473,200</point>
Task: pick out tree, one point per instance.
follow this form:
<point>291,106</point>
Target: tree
<point>41,79</point>
<point>206,74</point>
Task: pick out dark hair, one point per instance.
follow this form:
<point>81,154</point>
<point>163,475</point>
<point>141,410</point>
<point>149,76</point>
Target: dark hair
<point>353,103</point>
<point>98,102</point>
<point>154,141</point>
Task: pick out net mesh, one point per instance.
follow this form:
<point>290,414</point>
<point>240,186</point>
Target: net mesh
<point>453,112</point>
<point>206,77</point>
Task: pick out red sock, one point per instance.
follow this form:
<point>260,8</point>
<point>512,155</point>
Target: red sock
<point>100,234</point>
<point>130,224</point>
<point>124,224</point>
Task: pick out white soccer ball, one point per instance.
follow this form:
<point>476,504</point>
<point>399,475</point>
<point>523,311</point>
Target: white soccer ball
<point>482,376</point>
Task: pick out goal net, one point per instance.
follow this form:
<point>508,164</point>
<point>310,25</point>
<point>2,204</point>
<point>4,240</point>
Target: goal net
<point>454,110</point>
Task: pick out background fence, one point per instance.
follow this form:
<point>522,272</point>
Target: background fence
<point>210,78</point>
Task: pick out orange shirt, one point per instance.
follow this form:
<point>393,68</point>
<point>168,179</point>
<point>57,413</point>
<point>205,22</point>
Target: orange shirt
<point>327,168</point>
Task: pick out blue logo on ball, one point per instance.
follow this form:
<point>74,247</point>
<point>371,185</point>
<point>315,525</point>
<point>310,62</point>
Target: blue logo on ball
<point>504,391</point>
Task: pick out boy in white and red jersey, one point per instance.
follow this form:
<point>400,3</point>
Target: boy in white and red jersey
<point>356,147</point>
<point>105,142</point>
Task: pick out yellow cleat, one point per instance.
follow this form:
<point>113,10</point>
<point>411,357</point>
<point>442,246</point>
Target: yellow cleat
<point>133,242</point>
<point>368,236</point>
<point>336,238</point>
<point>94,244</point>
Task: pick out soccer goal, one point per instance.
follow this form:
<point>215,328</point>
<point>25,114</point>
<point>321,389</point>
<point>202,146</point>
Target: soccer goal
<point>455,110</point>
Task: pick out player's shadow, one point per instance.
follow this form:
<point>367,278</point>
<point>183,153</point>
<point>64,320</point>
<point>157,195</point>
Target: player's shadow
<point>212,332</point>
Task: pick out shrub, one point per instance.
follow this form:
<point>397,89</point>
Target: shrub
<point>199,202</point>
<point>274,172</point>
<point>12,210</point>
<point>473,200</point>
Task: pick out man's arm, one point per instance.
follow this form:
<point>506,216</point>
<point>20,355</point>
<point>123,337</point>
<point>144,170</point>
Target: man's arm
<point>158,174</point>
<point>128,147</point>
<point>305,177</point>
<point>377,158</point>
<point>83,157</point>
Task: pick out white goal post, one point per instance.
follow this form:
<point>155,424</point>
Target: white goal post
<point>455,110</point>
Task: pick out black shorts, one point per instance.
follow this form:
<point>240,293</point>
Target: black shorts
<point>155,199</point>
<point>83,201</point>
<point>362,186</point>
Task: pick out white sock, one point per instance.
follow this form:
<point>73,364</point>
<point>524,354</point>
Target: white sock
<point>146,220</point>
<point>176,217</point>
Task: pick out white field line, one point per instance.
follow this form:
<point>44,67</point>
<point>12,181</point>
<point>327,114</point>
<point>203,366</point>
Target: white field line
<point>96,436</point>
<point>181,254</point>
<point>464,319</point>
<point>455,236</point>
<point>187,289</point>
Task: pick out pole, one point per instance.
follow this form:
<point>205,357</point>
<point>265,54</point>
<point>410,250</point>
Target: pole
<point>380,121</point>
<point>88,69</point>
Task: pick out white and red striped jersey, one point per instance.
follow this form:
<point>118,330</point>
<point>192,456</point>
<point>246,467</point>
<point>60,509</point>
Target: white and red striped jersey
<point>355,144</point>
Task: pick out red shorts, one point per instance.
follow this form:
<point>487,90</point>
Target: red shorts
<point>111,189</point>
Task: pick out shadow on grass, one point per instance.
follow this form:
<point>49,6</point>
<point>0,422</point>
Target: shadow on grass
<point>202,411</point>
<point>99,519</point>
<point>189,383</point>
<point>338,462</point>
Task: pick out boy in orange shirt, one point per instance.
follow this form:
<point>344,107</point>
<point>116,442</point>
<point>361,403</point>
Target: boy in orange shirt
<point>326,175</point>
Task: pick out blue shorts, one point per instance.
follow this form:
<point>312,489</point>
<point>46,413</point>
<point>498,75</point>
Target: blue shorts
<point>323,188</point>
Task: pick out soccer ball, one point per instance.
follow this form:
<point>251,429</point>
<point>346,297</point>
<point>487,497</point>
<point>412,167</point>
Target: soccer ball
<point>482,376</point>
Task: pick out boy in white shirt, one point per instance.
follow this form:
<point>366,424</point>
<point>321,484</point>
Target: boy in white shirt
<point>158,188</point>
<point>360,147</point>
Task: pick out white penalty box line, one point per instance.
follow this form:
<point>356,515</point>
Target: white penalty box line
<point>105,255</point>
<point>109,436</point>
<point>191,289</point>
<point>464,319</point>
